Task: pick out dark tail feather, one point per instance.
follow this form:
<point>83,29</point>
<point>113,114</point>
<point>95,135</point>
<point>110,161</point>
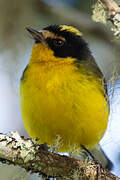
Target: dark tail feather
<point>101,157</point>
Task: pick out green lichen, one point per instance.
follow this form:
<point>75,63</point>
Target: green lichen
<point>116,28</point>
<point>27,149</point>
<point>99,12</point>
<point>58,143</point>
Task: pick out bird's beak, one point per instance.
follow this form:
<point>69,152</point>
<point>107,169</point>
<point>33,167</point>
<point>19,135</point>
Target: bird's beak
<point>37,35</point>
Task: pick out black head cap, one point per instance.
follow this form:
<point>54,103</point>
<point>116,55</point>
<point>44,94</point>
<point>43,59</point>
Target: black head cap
<point>73,46</point>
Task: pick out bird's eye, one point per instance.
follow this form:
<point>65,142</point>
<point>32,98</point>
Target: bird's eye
<point>58,42</point>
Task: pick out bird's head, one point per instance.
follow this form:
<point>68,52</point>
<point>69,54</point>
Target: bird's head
<point>59,43</point>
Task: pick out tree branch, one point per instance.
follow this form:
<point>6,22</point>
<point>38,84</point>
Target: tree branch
<point>105,10</point>
<point>32,156</point>
<point>111,6</point>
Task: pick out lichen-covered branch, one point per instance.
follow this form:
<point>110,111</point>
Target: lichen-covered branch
<point>108,10</point>
<point>112,6</point>
<point>32,156</point>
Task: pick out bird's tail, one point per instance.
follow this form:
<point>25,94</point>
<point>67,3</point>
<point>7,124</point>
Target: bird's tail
<point>101,157</point>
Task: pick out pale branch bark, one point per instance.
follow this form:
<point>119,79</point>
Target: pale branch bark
<point>112,6</point>
<point>109,12</point>
<point>114,11</point>
<point>32,156</point>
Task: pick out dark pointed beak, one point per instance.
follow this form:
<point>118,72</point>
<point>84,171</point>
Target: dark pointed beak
<point>37,35</point>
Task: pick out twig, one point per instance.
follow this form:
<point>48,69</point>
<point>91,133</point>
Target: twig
<point>111,6</point>
<point>108,10</point>
<point>31,156</point>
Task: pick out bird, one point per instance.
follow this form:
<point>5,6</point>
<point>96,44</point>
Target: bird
<point>63,91</point>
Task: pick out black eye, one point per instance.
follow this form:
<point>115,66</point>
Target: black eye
<point>58,42</point>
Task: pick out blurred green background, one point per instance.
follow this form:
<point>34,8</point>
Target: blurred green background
<point>15,49</point>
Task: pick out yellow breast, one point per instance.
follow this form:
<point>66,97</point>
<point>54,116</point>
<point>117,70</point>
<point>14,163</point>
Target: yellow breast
<point>57,99</point>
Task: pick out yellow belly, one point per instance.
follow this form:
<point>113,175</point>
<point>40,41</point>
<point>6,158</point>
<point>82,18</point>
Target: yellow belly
<point>62,101</point>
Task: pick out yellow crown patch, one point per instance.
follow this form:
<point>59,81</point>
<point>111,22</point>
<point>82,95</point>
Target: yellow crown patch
<point>71,29</point>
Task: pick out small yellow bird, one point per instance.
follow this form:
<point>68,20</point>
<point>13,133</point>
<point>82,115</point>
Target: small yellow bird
<point>62,90</point>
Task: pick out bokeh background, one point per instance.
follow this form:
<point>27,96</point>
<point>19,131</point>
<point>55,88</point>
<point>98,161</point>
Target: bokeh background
<point>15,49</point>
